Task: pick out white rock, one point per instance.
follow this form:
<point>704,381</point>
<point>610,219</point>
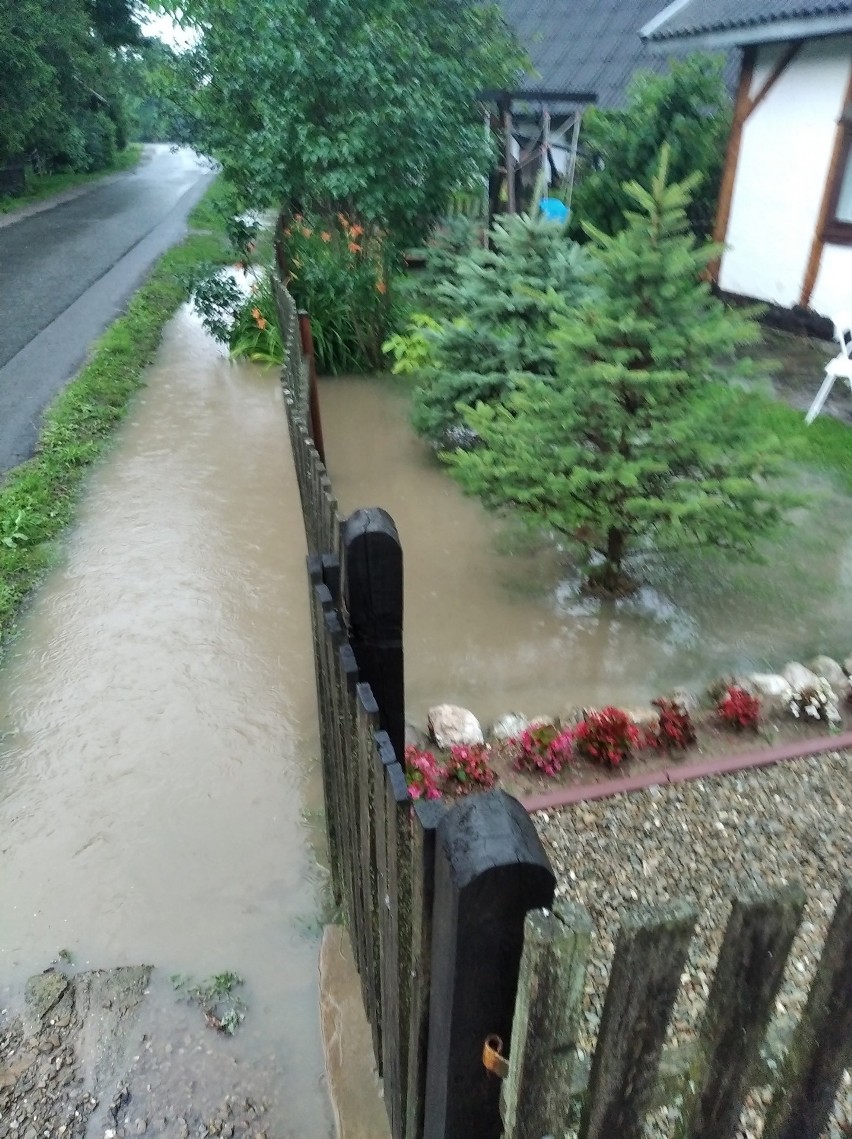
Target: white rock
<point>828,668</point>
<point>685,699</point>
<point>797,676</point>
<point>509,726</point>
<point>449,725</point>
<point>644,717</point>
<point>773,690</point>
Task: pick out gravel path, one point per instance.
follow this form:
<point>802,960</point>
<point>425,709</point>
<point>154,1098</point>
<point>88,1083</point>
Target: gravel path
<point>702,840</point>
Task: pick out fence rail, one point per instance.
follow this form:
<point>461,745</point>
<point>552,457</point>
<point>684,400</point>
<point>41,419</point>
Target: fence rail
<point>450,909</point>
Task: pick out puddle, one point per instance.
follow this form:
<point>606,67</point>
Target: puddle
<point>495,621</point>
<point>157,723</point>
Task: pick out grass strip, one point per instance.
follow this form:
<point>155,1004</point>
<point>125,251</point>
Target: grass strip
<point>38,498</point>
<point>824,446</point>
<point>41,186</point>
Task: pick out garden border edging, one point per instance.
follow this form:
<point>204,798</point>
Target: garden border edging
<point>586,792</point>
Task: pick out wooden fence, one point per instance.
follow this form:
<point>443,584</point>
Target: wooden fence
<point>458,946</point>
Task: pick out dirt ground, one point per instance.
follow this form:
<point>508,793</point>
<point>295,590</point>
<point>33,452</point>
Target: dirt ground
<point>796,379</point>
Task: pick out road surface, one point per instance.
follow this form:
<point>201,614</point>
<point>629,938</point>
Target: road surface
<point>67,272</point>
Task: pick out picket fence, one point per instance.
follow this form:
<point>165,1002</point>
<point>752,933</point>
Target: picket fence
<point>471,978</point>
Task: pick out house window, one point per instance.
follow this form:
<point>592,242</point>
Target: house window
<point>838,226</point>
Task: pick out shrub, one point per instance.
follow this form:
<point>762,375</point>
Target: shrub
<point>469,767</point>
<point>546,750</point>
<point>245,320</point>
<point>738,709</point>
<point>674,728</point>
<point>423,774</point>
<point>340,274</point>
<point>608,736</point>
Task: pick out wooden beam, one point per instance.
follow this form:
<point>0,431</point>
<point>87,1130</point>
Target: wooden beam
<point>732,156</point>
<point>784,61</point>
<point>818,243</point>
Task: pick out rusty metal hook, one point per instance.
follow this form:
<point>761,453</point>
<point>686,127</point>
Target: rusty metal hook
<point>493,1058</point>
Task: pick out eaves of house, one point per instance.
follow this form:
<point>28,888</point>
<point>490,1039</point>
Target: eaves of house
<point>723,24</point>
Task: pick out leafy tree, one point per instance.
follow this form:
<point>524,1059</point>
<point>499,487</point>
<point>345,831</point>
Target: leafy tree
<point>366,107</point>
<point>689,110</point>
<point>496,307</point>
<point>645,440</point>
<point>59,89</point>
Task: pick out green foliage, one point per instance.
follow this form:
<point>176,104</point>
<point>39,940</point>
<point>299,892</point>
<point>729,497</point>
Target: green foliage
<point>412,349</point>
<point>37,498</point>
<point>496,308</point>
<point>341,272</point>
<point>223,1009</point>
<point>367,107</point>
<point>645,441</point>
<point>59,87</point>
<point>148,73</point>
<point>238,314</point>
<point>689,110</point>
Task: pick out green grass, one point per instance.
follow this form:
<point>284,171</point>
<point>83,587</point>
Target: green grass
<point>38,498</point>
<point>41,186</point>
<point>825,446</point>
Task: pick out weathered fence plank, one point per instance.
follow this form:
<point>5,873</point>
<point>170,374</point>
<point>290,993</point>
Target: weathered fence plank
<point>425,816</point>
<point>373,595</point>
<point>543,1054</point>
<point>490,869</point>
<point>821,1048</point>
<point>649,956</point>
<point>368,722</point>
<point>397,962</point>
<point>321,603</point>
<point>748,975</point>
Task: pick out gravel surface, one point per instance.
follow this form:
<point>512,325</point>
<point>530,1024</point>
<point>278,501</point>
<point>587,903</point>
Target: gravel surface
<point>702,841</point>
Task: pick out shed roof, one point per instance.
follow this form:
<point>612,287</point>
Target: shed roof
<point>583,45</point>
<point>725,23</point>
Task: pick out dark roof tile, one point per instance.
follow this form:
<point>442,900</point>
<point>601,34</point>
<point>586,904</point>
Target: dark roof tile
<point>700,17</point>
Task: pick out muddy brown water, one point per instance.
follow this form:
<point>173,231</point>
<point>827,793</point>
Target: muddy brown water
<point>158,725</point>
<point>496,621</point>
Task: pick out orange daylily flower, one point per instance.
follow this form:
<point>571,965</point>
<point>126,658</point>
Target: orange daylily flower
<point>306,232</point>
<point>356,230</point>
<point>325,235</point>
<point>381,287</point>
<point>354,247</point>
<point>259,319</point>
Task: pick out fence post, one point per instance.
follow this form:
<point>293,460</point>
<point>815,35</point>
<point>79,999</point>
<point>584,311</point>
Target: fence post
<point>543,1056</point>
<point>372,595</point>
<point>822,1045</point>
<point>490,869</point>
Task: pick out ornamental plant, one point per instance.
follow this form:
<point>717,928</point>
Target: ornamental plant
<point>469,767</point>
<point>339,272</point>
<point>423,774</point>
<point>674,728</point>
<point>609,737</point>
<point>545,750</point>
<point>738,709</point>
<point>816,702</point>
<point>645,439</point>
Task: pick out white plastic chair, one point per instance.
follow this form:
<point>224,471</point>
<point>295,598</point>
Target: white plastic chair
<point>838,368</point>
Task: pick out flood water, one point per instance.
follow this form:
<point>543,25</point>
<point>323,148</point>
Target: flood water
<point>495,620</point>
<point>158,722</point>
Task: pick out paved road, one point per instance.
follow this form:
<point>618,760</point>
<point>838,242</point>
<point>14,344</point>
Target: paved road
<point>67,272</point>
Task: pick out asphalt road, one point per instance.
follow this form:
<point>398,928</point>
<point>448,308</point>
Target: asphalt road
<point>68,271</point>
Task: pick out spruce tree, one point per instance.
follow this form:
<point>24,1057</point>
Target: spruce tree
<point>645,440</point>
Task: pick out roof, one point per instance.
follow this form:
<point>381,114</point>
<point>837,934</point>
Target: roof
<point>583,45</point>
<point>726,23</point>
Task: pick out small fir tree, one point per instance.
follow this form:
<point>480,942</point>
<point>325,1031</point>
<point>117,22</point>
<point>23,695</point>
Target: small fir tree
<point>495,314</point>
<point>645,440</point>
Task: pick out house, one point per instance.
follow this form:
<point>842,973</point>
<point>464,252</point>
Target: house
<point>785,205</point>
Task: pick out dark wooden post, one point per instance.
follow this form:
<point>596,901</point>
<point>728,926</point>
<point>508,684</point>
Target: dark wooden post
<point>314,416</point>
<point>490,870</point>
<point>372,597</point>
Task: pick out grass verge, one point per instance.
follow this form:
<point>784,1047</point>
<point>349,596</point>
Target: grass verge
<point>825,445</point>
<point>41,186</point>
<point>37,498</point>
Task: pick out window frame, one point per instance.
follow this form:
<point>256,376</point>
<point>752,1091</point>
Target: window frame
<point>836,231</point>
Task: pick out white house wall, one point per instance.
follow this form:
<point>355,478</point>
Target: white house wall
<point>785,153</point>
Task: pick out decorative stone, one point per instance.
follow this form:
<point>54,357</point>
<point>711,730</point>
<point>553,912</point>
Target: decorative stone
<point>450,724</point>
<point>685,699</point>
<point>773,690</point>
<point>644,717</point>
<point>797,676</point>
<point>828,668</point>
<point>543,722</point>
<point>509,726</point>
